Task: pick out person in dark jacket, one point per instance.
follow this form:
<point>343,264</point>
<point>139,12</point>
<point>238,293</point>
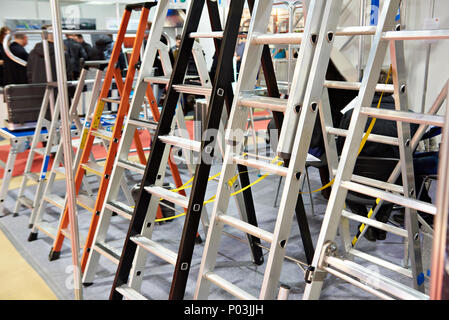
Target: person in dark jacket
<point>3,32</point>
<point>15,73</point>
<point>76,53</point>
<point>87,47</point>
<point>36,71</point>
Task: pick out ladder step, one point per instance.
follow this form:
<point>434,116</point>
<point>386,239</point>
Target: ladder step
<point>156,249</point>
<point>129,293</point>
<point>132,166</point>
<point>120,208</point>
<point>161,80</point>
<point>390,197</point>
<point>102,134</point>
<point>228,286</point>
<point>262,165</point>
<point>345,85</point>
<point>381,262</point>
<point>32,176</point>
<point>60,170</point>
<point>47,229</point>
<point>246,227</point>
<point>110,100</point>
<point>395,115</point>
<point>169,196</point>
<point>372,137</point>
<point>143,123</point>
<point>93,167</point>
<point>85,202</point>
<point>377,184</point>
<point>108,252</point>
<point>55,200</point>
<point>374,223</point>
<point>41,151</point>
<point>27,202</point>
<point>296,38</point>
<point>182,143</point>
<point>376,280</point>
<point>192,89</point>
<point>273,104</point>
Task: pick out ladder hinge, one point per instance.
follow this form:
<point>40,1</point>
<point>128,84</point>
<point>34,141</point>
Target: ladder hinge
<point>312,274</point>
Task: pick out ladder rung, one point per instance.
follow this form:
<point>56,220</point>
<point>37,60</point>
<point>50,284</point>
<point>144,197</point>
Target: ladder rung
<point>417,35</point>
<point>255,101</point>
<point>372,137</point>
<point>120,208</point>
<point>55,200</point>
<point>108,252</point>
<point>345,85</point>
<point>182,143</point>
<point>47,229</point>
<point>381,262</point>
<point>378,281</point>
<point>377,184</point>
<point>41,151</point>
<point>110,100</point>
<point>412,117</point>
<point>192,89</point>
<point>278,38</point>
<point>169,196</point>
<point>156,249</point>
<point>2,164</point>
<point>130,293</point>
<point>246,227</point>
<point>103,134</point>
<point>212,34</point>
<point>374,223</point>
<point>27,202</point>
<point>32,176</point>
<point>262,165</point>
<point>228,286</point>
<point>132,166</point>
<point>60,170</point>
<point>93,167</point>
<point>143,123</point>
<point>85,202</point>
<point>390,197</point>
<point>161,79</point>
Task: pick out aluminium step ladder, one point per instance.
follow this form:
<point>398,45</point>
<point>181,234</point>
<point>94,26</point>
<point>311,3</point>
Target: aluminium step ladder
<point>45,188</point>
<point>308,96</point>
<point>138,240</point>
<point>96,245</point>
<point>327,259</point>
<point>46,152</point>
<point>113,137</point>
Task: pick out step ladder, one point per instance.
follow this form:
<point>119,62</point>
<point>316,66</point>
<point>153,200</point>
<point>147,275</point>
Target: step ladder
<point>96,245</point>
<point>46,189</point>
<point>138,241</point>
<point>342,263</point>
<point>308,98</point>
<point>46,152</point>
<point>85,164</point>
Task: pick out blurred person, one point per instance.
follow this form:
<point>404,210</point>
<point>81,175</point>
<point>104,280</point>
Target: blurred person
<point>15,73</point>
<point>87,47</point>
<point>3,32</point>
<point>36,71</point>
<point>76,53</point>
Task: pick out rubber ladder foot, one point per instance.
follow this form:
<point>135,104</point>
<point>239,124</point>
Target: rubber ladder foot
<point>54,255</point>
<point>87,284</point>
<point>32,236</point>
<point>30,226</point>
